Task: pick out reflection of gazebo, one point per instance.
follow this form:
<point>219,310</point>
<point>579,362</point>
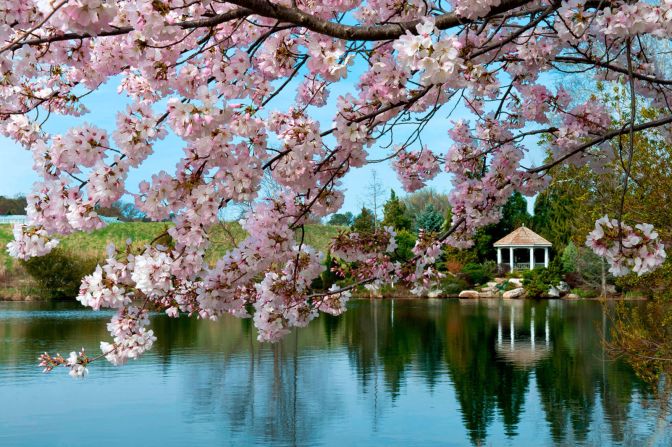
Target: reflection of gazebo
<point>522,352</point>
<point>522,238</point>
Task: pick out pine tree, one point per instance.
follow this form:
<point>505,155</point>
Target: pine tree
<point>429,220</point>
<point>364,222</point>
<point>554,214</point>
<point>395,214</point>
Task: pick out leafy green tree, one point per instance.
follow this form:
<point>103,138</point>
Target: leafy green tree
<point>342,219</point>
<point>328,277</point>
<point>429,220</point>
<point>364,222</point>
<point>395,214</point>
<point>124,211</point>
<point>9,206</point>
<point>416,202</point>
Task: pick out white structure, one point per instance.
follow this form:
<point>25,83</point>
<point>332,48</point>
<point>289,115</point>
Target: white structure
<point>522,240</point>
<point>12,219</point>
<point>22,219</point>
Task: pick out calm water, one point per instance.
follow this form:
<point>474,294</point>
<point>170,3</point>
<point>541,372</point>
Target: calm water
<point>386,373</point>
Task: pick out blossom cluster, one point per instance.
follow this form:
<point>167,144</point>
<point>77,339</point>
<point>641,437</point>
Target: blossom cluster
<point>76,361</point>
<point>30,242</point>
<point>415,168</point>
<point>626,248</point>
<point>131,338</point>
<point>352,246</point>
<point>439,60</point>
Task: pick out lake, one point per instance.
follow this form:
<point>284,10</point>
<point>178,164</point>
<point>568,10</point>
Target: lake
<point>390,372</point>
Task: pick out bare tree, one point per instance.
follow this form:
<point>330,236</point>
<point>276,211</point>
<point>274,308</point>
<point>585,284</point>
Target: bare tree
<point>376,192</point>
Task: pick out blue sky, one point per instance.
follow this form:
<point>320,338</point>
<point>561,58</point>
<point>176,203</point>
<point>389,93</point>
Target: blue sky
<point>17,177</point>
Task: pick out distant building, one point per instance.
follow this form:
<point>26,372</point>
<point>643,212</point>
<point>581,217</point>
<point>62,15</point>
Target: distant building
<point>523,240</point>
<point>12,219</point>
<point>21,219</point>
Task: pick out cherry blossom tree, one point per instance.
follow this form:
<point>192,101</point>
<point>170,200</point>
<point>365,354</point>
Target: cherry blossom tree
<point>208,73</point>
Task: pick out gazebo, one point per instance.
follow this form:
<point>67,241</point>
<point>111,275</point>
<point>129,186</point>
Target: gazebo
<point>522,238</point>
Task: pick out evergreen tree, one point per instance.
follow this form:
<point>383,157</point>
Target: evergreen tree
<point>569,256</point>
<point>554,216</point>
<point>395,214</point>
<point>514,215</point>
<point>364,222</point>
<point>429,220</point>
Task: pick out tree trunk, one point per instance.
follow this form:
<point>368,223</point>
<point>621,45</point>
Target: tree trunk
<point>604,279</point>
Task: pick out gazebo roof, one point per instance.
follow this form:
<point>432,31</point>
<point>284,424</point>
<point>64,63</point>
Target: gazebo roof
<point>522,237</point>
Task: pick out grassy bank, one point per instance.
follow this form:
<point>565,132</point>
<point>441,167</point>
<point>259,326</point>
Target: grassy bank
<point>16,283</point>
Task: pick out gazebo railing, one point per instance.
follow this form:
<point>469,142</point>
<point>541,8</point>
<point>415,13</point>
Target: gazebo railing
<point>505,267</point>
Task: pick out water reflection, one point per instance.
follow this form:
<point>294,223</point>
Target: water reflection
<point>386,373</point>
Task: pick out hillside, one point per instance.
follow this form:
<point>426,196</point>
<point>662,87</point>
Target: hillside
<point>93,245</point>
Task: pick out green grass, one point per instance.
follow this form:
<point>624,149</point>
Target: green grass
<point>5,236</point>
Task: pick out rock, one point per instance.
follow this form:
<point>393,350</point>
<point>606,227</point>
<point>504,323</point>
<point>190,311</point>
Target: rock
<point>492,285</point>
<point>563,287</point>
<point>554,292</point>
<point>500,280</point>
<point>572,296</point>
<point>469,294</point>
<point>611,289</point>
<point>487,294</point>
<point>516,282</point>
<point>514,293</point>
<point>489,289</point>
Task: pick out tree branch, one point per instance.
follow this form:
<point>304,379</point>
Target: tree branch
<point>602,139</point>
<point>209,22</point>
<point>389,31</point>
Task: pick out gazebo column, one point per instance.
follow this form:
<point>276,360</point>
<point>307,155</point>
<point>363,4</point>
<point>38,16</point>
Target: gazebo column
<point>499,257</point>
<point>511,258</point>
<point>546,257</point>
<point>531,258</point>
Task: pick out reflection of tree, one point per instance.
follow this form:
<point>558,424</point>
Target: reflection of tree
<point>414,340</point>
<point>482,384</point>
<point>570,379</point>
<point>270,392</point>
<point>54,326</point>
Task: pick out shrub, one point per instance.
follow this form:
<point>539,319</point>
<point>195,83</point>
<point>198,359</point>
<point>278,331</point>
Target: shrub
<point>429,220</point>
<point>479,273</point>
<point>453,266</point>
<point>452,285</point>
<point>586,293</point>
<point>538,281</point>
<point>59,274</point>
<point>405,243</point>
